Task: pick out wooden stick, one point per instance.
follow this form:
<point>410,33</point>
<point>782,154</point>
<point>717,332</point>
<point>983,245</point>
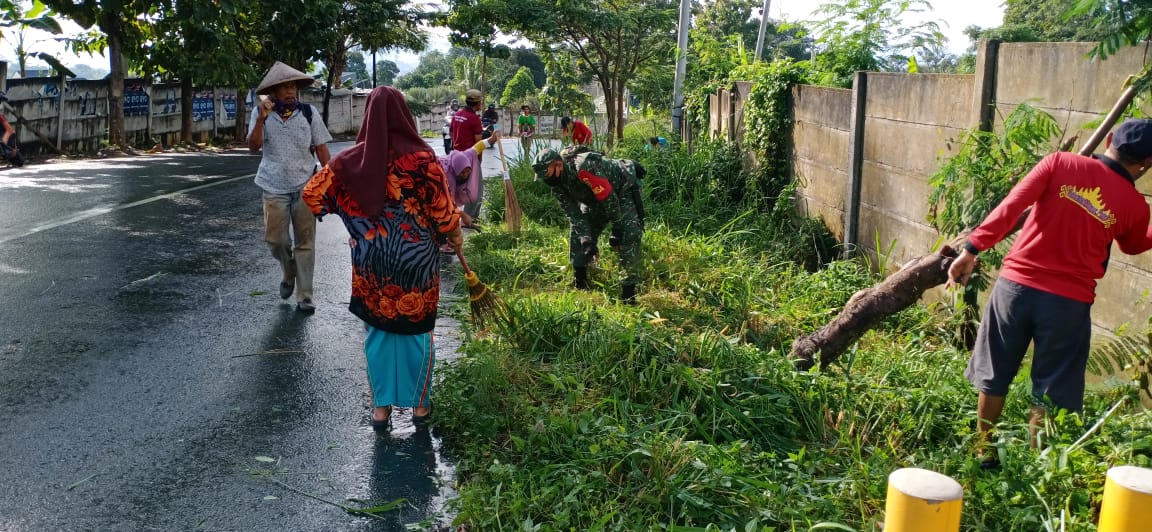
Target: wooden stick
<point>22,121</point>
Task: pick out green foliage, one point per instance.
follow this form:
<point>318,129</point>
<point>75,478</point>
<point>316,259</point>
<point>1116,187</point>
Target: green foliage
<point>872,35</point>
<point>722,40</point>
<point>1120,23</point>
<point>1052,20</point>
<point>424,99</point>
<point>768,121</point>
<point>520,89</point>
<point>562,94</point>
<point>611,40</point>
<point>386,71</point>
<point>434,70</point>
<point>1128,356</point>
<point>682,413</point>
<point>986,166</point>
<point>357,66</point>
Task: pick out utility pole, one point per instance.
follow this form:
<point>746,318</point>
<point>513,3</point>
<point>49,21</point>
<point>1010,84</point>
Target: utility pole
<point>681,66</point>
<point>763,29</point>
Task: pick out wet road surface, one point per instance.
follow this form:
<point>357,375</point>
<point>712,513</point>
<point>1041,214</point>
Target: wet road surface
<point>151,378</point>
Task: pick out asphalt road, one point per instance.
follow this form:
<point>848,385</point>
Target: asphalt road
<point>151,379</point>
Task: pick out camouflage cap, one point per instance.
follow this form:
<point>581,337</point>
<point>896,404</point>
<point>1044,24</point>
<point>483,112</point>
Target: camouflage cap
<point>543,159</point>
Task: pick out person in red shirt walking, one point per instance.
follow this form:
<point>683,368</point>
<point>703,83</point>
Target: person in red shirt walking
<point>466,127</point>
<point>1047,284</point>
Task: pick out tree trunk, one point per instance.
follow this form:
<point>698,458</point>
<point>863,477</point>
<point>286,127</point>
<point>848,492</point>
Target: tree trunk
<point>186,109</point>
<point>241,132</point>
<point>113,30</point>
<point>327,98</point>
<point>609,108</point>
<point>335,70</point>
<point>870,306</point>
<point>620,109</point>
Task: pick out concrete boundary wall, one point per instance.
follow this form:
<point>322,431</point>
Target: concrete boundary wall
<point>73,114</point>
<point>885,138</point>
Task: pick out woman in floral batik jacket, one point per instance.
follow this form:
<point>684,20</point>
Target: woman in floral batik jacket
<point>391,192</point>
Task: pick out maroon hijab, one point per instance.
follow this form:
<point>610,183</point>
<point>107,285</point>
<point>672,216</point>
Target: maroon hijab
<point>387,133</point>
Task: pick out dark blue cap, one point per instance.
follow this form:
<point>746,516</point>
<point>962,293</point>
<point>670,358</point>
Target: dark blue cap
<point>1134,138</point>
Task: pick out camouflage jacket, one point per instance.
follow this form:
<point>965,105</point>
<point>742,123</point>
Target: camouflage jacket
<point>597,182</point>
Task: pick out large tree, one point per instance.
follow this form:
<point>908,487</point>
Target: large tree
<point>386,71</point>
<point>1050,20</point>
<point>520,90</point>
<point>370,25</point>
<point>562,94</point>
<point>859,35</point>
<point>125,26</point>
<point>434,69</point>
<point>611,39</point>
<point>190,38</point>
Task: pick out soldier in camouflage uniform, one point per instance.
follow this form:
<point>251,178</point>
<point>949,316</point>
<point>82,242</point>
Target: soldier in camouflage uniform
<point>596,191</point>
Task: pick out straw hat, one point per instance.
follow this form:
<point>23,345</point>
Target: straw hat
<point>281,73</point>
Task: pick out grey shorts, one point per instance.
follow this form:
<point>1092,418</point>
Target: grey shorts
<point>1017,315</point>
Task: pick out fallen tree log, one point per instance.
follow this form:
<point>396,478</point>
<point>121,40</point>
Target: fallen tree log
<point>868,307</point>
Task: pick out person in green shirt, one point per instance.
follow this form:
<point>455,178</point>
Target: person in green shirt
<point>527,125</point>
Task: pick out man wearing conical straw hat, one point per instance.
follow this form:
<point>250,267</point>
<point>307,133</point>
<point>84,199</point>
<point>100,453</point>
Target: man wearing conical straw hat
<point>292,136</point>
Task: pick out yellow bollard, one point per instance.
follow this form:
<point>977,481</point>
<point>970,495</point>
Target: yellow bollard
<point>922,501</point>
<point>1127,505</point>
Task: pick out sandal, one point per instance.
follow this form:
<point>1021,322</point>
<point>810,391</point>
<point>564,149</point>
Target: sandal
<point>421,419</point>
<point>990,464</point>
<point>379,424</point>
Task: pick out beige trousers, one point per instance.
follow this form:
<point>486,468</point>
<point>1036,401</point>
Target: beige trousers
<point>298,261</point>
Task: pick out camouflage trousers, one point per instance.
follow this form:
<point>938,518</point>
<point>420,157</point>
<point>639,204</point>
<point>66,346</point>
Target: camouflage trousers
<point>572,150</point>
<point>627,231</point>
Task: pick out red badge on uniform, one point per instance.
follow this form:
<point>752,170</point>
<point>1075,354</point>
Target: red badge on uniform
<point>600,186</point>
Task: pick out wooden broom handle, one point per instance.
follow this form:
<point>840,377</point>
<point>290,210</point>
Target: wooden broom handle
<point>504,163</point>
<point>464,263</point>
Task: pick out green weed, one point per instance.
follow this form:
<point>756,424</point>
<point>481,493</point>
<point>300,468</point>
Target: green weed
<point>683,413</point>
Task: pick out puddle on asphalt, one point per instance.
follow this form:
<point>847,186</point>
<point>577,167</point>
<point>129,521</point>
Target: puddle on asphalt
<point>410,461</point>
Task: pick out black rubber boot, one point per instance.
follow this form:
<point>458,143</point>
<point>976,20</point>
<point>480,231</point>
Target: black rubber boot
<point>628,294</point>
<point>581,280</point>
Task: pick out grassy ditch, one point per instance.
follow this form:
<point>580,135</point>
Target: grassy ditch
<point>682,413</point>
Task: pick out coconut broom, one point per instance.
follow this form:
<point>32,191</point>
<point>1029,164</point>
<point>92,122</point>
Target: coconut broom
<point>487,309</point>
<point>512,213</point>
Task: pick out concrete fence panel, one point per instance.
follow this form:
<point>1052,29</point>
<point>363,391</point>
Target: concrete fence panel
<point>911,121</point>
<point>820,152</point>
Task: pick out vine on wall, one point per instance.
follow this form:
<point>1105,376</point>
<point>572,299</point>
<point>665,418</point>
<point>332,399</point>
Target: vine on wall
<point>768,121</point>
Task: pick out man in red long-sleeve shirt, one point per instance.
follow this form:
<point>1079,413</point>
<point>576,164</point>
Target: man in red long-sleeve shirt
<point>1048,281</point>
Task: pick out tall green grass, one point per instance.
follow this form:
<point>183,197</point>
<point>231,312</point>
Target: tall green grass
<point>683,414</point>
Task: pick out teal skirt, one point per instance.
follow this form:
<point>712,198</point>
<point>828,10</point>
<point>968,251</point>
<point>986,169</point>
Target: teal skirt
<point>400,368</point>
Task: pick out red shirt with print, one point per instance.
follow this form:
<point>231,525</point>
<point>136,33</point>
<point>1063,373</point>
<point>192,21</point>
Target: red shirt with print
<point>1079,206</point>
